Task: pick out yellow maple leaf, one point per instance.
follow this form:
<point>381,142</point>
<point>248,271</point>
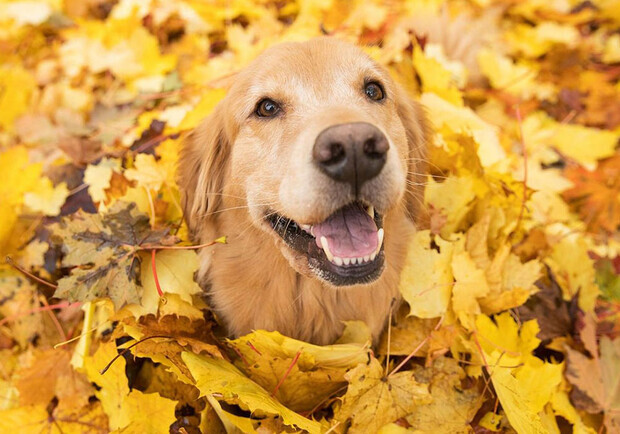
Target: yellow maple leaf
<point>524,383</point>
<point>516,403</point>
<point>217,376</point>
<point>426,280</point>
<point>124,407</point>
<point>464,120</point>
<point>562,406</point>
<point>570,140</point>
<point>574,271</point>
<point>452,407</point>
<point>16,87</point>
<point>470,284</point>
<point>374,400</point>
<point>510,281</point>
<point>98,177</point>
<point>435,77</point>
<point>504,337</point>
<point>538,40</point>
<point>35,419</point>
<point>517,78</point>
<point>539,380</point>
<point>175,272</point>
<point>148,173</point>
<point>317,372</point>
<point>453,198</point>
<point>47,199</point>
<point>19,177</point>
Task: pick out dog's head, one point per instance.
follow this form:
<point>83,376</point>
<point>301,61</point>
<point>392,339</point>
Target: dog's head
<point>319,143</point>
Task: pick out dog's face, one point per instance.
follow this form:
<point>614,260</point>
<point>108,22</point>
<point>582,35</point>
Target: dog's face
<point>320,144</point>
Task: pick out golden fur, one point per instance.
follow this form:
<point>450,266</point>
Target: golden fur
<point>235,166</point>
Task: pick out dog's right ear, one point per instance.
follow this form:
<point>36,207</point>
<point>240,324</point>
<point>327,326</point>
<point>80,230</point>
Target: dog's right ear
<point>203,163</point>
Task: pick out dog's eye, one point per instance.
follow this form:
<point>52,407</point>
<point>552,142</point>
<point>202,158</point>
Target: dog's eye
<point>267,108</point>
<point>374,91</point>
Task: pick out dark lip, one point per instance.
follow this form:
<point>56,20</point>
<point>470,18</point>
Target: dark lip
<point>302,242</point>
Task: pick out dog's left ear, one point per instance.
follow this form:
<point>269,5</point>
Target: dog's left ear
<point>202,167</point>
<point>418,129</point>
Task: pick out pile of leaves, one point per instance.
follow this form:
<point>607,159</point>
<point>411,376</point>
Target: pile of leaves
<point>513,295</point>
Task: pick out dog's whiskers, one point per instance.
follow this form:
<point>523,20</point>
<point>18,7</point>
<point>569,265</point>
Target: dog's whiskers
<point>251,224</point>
<point>236,207</point>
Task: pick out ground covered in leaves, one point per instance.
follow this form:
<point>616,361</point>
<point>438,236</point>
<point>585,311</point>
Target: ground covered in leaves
<point>513,290</point>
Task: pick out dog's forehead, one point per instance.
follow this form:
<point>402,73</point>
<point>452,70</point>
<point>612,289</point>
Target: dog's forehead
<point>310,69</point>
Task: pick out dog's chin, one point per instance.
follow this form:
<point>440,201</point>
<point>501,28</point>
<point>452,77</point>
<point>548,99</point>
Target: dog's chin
<point>314,259</point>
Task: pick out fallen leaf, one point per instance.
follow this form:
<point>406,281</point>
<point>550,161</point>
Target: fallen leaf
<point>597,380</point>
<point>151,412</point>
<point>374,399</point>
<point>452,408</point>
<point>51,375</point>
<point>426,280</point>
<point>175,272</point>
<point>217,376</point>
<point>596,194</point>
<point>103,249</point>
<point>311,373</point>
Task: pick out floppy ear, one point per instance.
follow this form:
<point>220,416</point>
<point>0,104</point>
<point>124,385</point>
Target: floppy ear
<point>418,130</point>
<point>203,163</point>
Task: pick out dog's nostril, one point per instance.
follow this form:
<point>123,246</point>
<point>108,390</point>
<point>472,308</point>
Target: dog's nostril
<point>337,152</point>
<point>370,148</point>
<point>375,147</point>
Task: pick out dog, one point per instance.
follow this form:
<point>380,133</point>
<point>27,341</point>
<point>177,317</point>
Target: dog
<point>313,166</point>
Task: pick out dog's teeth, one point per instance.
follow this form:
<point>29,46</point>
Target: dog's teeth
<point>380,233</point>
<point>353,261</point>
<point>366,258</point>
<point>346,261</point>
<point>373,256</point>
<point>371,211</point>
<point>306,228</point>
<point>326,249</point>
<point>338,261</point>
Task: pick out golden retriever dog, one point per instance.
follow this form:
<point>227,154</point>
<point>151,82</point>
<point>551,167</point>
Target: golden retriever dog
<point>313,167</point>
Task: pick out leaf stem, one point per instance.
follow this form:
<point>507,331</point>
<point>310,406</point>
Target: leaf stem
<point>10,261</point>
<point>50,312</point>
<point>415,350</point>
<point>286,374</point>
<point>63,305</point>
<point>122,353</point>
<point>154,268</point>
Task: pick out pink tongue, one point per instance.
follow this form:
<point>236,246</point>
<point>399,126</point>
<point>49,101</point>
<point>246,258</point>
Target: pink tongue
<point>350,232</point>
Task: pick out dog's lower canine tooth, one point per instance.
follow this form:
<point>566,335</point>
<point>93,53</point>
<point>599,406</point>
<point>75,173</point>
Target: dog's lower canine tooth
<point>326,249</point>
<point>380,234</point>
<point>373,256</point>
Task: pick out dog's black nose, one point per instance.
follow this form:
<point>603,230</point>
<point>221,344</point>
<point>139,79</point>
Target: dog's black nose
<point>351,153</point>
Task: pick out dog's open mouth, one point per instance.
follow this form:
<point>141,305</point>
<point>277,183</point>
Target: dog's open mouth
<point>344,249</point>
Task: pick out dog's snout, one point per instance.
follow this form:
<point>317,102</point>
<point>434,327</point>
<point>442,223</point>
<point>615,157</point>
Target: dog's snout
<point>352,153</point>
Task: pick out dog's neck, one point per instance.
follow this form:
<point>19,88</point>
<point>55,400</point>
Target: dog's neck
<point>252,285</point>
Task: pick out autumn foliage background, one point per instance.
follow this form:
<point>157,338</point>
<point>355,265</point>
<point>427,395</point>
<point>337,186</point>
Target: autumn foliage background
<point>513,292</point>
